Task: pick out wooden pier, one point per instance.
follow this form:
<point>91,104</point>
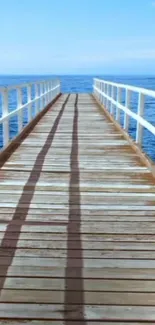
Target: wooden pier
<point>77,222</point>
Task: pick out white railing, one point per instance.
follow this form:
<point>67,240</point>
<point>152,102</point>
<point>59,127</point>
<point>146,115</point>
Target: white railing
<point>43,93</point>
<point>110,95</point>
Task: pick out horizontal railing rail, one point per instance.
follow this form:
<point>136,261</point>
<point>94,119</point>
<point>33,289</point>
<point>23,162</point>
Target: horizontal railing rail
<point>110,95</point>
<point>29,100</point>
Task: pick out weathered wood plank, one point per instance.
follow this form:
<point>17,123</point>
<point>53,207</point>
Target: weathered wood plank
<point>96,248</point>
<point>77,226</point>
<point>75,253</point>
<point>88,273</point>
<point>94,298</point>
<point>60,322</point>
<point>98,228</point>
<point>98,263</point>
<point>102,285</point>
<point>92,312</point>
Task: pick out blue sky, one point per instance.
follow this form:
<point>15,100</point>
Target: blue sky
<point>77,37</point>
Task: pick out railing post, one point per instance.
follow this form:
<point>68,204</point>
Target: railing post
<point>52,86</point>
<point>102,89</point>
<point>127,104</point>
<point>109,94</point>
<point>20,112</point>
<point>94,86</point>
<point>29,103</point>
<point>41,102</point>
<point>51,92</point>
<point>54,91</point>
<point>44,87</point>
<point>96,93</point>
<point>56,84</point>
<point>36,98</point>
<point>106,92</point>
<point>99,89</point>
<point>104,98</point>
<point>44,96</point>
<point>46,90</point>
<point>112,96</point>
<point>118,101</point>
<point>98,86</point>
<point>5,111</point>
<point>59,89</point>
<point>139,131</point>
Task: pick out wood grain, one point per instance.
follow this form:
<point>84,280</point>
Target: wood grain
<point>77,223</point>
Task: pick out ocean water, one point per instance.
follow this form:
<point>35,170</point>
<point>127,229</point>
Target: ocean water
<point>83,84</point>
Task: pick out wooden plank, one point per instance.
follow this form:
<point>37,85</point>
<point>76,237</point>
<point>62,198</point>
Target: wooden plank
<point>104,285</point>
<point>77,224</point>
<point>93,207</point>
<point>59,322</point>
<point>98,263</point>
<point>75,253</point>
<point>92,312</point>
<point>99,228</point>
<point>94,298</point>
<point>58,216</point>
<point>43,236</point>
<point>97,247</point>
<point>100,197</point>
<point>88,273</point>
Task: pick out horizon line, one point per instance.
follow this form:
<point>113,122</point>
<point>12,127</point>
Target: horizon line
<point>76,74</point>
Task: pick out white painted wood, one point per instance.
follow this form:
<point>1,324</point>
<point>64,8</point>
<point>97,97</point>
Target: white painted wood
<point>102,85</point>
<point>101,90</point>
<point>112,105</point>
<point>20,111</point>
<point>109,93</point>
<point>127,104</point>
<point>141,122</point>
<point>106,92</point>
<point>5,111</point>
<point>36,98</point>
<point>117,104</point>
<point>29,103</point>
<point>45,92</point>
<point>140,113</point>
<point>52,86</point>
<point>43,95</point>
<point>47,88</point>
<point>135,116</point>
<point>147,92</point>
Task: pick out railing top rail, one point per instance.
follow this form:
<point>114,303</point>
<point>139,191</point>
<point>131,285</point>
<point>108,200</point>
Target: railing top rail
<point>24,85</point>
<point>129,112</point>
<point>144,91</point>
<point>33,102</point>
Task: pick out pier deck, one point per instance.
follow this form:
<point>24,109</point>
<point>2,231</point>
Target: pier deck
<point>77,223</point>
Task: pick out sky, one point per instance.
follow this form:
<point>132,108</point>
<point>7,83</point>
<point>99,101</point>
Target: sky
<point>77,37</point>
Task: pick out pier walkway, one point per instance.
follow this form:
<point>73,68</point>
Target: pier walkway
<point>77,223</point>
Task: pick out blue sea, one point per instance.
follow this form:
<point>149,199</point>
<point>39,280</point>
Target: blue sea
<point>83,84</point>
